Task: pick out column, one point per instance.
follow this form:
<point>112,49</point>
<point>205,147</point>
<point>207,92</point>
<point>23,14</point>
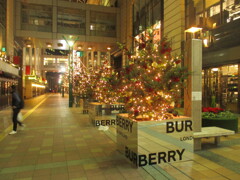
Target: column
<point>30,59</point>
<point>92,58</point>
<point>238,104</point>
<point>109,58</point>
<point>193,91</point>
<point>98,58</point>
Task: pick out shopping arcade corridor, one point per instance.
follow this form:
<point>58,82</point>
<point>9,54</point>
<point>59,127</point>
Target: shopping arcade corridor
<point>60,143</point>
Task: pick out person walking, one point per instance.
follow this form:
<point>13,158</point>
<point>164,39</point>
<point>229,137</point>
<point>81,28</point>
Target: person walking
<point>17,105</point>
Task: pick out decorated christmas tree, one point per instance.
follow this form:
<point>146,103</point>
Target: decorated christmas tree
<point>82,84</point>
<point>106,84</point>
<point>152,82</point>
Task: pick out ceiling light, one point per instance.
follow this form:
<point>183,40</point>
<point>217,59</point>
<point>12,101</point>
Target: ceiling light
<point>49,45</point>
<point>193,29</point>
<point>214,69</point>
<point>89,48</point>
<point>109,48</point>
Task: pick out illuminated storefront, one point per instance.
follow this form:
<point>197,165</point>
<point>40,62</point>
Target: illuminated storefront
<point>34,86</point>
<point>221,87</point>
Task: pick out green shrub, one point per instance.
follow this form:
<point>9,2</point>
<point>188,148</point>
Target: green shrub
<point>220,115</point>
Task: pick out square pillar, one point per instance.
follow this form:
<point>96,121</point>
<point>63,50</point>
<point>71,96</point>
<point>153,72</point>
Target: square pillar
<point>193,91</point>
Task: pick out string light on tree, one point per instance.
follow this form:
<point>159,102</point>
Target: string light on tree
<point>152,81</point>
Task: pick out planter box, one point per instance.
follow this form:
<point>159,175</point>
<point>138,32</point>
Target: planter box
<point>154,142</point>
<point>231,124</point>
<point>103,114</point>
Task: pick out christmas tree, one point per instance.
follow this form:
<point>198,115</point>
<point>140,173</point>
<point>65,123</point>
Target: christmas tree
<point>106,84</point>
<point>152,81</point>
<point>82,81</point>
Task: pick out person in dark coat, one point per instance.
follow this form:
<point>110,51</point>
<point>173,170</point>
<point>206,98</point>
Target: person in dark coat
<point>17,105</point>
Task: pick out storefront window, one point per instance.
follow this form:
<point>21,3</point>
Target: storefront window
<point>212,13</point>
<point>3,88</point>
<point>36,18</point>
<point>3,13</point>
<point>2,23</point>
<point>231,10</point>
<point>102,24</point>
<point>220,87</point>
<point>146,13</point>
<point>219,20</point>
<point>71,21</point>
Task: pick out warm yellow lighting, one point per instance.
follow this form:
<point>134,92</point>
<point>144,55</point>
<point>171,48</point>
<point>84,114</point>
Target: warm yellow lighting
<point>108,48</point>
<point>71,43</point>
<point>32,77</point>
<point>205,42</point>
<point>29,45</point>
<point>214,25</point>
<point>79,47</point>
<point>193,29</point>
<point>63,69</point>
<point>158,25</point>
<point>37,85</point>
<point>214,69</point>
<point>49,45</point>
<point>89,48</point>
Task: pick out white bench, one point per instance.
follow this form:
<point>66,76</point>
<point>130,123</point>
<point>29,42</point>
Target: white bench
<point>215,132</point>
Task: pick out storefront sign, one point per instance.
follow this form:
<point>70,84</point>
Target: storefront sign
<point>103,115</point>
<point>105,122</point>
<point>154,142</point>
<point>124,124</point>
<point>154,158</point>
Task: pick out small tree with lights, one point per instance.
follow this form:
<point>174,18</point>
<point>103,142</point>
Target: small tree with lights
<point>106,84</point>
<point>152,81</point>
<point>83,86</point>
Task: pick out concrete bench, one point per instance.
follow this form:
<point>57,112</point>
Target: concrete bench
<point>215,132</point>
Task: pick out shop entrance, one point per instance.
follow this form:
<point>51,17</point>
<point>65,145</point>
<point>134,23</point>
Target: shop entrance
<point>220,87</point>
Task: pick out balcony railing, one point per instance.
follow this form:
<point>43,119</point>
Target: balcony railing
<point>56,66</point>
<point>225,36</point>
<point>99,3</point>
<point>6,67</point>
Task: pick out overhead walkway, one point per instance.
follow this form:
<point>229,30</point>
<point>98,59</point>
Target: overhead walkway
<point>59,143</point>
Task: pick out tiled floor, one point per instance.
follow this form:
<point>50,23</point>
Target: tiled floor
<point>59,143</point>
